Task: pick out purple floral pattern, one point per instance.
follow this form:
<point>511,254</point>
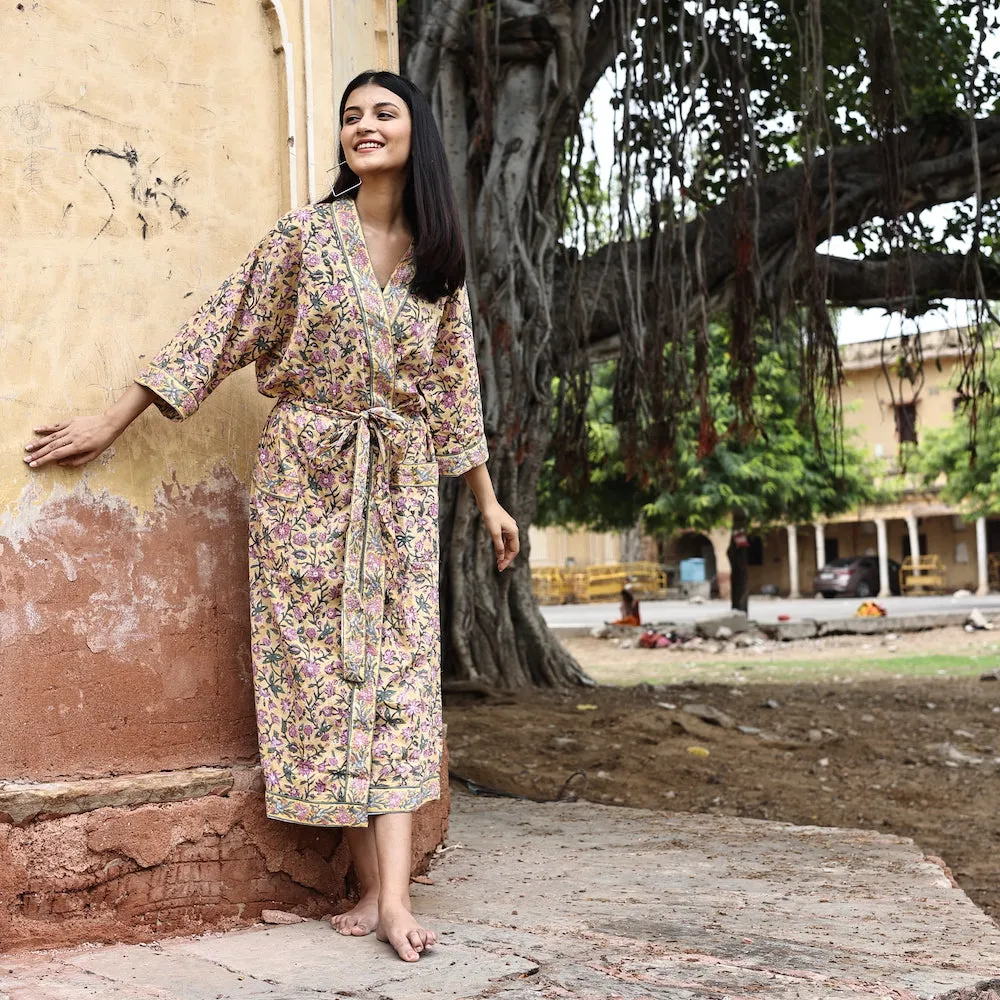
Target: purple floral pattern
<point>378,394</point>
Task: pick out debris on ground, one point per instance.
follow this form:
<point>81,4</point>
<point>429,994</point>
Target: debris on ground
<point>713,716</point>
<point>280,917</point>
<point>977,620</point>
<point>870,609</point>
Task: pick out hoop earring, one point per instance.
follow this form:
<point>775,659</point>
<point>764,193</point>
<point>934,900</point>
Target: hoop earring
<point>338,194</point>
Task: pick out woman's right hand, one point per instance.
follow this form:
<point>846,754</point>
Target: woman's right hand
<point>80,440</point>
<point>74,442</point>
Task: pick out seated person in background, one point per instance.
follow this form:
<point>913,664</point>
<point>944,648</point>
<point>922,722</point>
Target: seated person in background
<point>629,609</point>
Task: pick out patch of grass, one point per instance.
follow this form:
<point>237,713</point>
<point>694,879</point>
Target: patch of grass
<point>851,667</point>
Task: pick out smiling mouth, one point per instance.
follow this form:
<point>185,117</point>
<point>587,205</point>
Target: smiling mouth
<point>363,146</point>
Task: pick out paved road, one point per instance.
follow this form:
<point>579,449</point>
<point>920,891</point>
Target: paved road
<point>763,609</point>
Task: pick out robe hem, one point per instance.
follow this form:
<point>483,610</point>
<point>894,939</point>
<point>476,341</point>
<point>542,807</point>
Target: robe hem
<point>287,809</point>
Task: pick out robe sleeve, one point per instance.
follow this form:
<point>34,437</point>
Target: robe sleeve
<point>246,320</point>
<point>451,391</point>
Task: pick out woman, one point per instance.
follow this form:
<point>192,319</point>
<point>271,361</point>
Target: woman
<point>355,314</point>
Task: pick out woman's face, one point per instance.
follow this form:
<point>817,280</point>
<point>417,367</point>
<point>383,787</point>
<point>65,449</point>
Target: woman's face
<point>375,131</point>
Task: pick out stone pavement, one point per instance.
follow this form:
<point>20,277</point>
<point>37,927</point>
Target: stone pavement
<point>591,902</point>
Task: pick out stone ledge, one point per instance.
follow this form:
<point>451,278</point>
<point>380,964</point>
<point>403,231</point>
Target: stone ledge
<point>21,802</point>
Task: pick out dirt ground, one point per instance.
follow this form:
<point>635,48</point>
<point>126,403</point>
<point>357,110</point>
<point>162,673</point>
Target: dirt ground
<point>913,751</point>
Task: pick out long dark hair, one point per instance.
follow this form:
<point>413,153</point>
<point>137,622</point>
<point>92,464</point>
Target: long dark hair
<point>438,251</point>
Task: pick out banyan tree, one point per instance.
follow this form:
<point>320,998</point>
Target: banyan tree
<point>737,139</point>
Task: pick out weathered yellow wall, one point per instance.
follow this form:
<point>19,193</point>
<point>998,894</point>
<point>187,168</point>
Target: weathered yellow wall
<point>868,406</point>
<point>554,546</point>
<point>146,149</point>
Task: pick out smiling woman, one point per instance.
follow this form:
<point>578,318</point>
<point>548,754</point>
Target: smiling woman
<point>355,314</point>
<point>386,109</point>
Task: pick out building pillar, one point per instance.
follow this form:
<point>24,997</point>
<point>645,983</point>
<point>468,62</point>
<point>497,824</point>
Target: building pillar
<point>982,558</point>
<point>793,561</point>
<point>911,527</point>
<point>820,546</point>
<point>884,589</point>
<point>720,538</point>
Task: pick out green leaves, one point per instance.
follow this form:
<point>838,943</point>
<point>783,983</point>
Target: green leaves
<point>967,473</point>
<point>781,474</point>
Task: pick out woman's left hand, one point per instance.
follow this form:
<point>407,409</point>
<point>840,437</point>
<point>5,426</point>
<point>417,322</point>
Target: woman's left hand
<point>503,530</point>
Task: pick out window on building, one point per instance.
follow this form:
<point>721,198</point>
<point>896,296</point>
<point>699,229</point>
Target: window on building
<point>906,422</point>
<point>755,551</point>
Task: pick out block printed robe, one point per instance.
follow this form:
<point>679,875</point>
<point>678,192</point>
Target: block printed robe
<point>377,393</point>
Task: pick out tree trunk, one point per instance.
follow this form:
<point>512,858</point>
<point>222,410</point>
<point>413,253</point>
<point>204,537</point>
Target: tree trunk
<point>740,564</point>
<point>505,97</point>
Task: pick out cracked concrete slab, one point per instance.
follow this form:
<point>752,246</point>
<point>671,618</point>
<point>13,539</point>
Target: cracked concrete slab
<point>592,902</point>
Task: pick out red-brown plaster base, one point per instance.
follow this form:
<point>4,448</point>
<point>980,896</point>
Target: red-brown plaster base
<point>134,874</point>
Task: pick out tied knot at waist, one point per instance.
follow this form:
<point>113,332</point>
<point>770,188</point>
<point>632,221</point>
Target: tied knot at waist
<point>360,425</point>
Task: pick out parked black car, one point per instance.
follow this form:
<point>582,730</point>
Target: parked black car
<point>854,576</point>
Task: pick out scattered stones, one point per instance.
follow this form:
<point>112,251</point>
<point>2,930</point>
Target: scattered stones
<point>824,762</point>
<point>711,715</point>
<point>991,675</point>
<point>952,756</point>
<point>565,742</point>
<point>668,705</point>
<point>749,730</point>
<point>790,631</point>
<point>978,620</point>
<point>815,736</point>
<point>988,989</point>
<point>962,592</point>
<point>280,917</point>
<point>770,703</point>
<point>711,628</point>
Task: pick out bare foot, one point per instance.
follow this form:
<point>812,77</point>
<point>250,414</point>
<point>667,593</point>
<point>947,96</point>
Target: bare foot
<point>398,927</point>
<point>359,920</point>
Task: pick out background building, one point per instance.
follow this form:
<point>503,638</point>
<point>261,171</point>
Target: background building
<point>787,557</point>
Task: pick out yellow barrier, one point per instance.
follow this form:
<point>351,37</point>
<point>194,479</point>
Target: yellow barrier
<point>551,585</point>
<point>602,583</point>
<point>926,573</point>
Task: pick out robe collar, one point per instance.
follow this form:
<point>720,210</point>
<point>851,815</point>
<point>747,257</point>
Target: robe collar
<point>388,301</point>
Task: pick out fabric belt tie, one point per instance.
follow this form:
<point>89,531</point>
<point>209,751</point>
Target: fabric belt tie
<point>363,595</point>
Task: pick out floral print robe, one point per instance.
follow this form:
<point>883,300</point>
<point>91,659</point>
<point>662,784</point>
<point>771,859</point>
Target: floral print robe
<point>377,394</point>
